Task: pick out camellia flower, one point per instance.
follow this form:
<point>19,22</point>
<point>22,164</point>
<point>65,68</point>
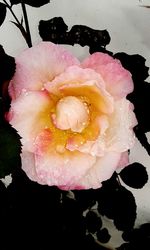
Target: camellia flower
<point>75,122</point>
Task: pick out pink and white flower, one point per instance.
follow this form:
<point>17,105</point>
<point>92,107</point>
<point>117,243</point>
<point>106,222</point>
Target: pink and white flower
<point>74,120</point>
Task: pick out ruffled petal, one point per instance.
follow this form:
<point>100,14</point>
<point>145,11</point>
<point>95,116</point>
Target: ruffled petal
<point>117,134</point>
<point>28,165</point>
<point>59,169</point>
<point>100,98</point>
<point>76,81</point>
<point>29,114</point>
<point>101,171</point>
<point>38,65</point>
<point>94,147</point>
<point>120,136</point>
<point>117,79</point>
<point>124,160</point>
<point>74,74</point>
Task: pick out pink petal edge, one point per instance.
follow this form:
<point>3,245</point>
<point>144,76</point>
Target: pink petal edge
<point>117,79</point>
<point>39,64</point>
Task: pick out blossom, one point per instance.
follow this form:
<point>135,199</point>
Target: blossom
<point>75,122</point>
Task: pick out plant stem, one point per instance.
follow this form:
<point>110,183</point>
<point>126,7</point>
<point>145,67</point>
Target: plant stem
<point>18,24</point>
<point>9,7</point>
<point>26,24</point>
<point>26,33</point>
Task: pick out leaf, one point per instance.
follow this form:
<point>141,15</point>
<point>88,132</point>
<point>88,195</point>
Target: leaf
<point>137,238</point>
<point>103,235</point>
<point>85,198</point>
<point>93,222</point>
<point>105,196</point>
<point>90,243</point>
<point>135,175</point>
<point>141,136</point>
<point>141,95</point>
<point>7,71</point>
<point>3,11</point>
<point>10,149</point>
<point>125,209</point>
<point>135,64</point>
<point>56,31</point>
<point>4,204</point>
<point>117,203</point>
<point>7,66</point>
<point>33,3</point>
<point>85,35</point>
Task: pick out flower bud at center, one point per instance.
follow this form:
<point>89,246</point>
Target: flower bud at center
<point>71,113</point>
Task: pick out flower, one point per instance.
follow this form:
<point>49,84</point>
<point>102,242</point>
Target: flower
<point>75,122</point>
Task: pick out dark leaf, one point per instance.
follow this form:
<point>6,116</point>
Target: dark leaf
<point>106,197</point>
<point>136,65</point>
<point>141,95</point>
<point>90,244</point>
<point>126,235</point>
<point>140,233</point>
<point>29,201</point>
<point>133,235</point>
<point>141,136</point>
<point>33,3</point>
<point>2,196</point>
<point>96,48</point>
<point>10,148</point>
<point>1,111</point>
<point>145,229</point>
<point>103,235</point>
<point>138,238</point>
<point>117,204</point>
<point>7,66</point>
<point>56,31</point>
<point>135,175</point>
<point>93,222</point>
<point>3,11</point>
<point>135,245</point>
<point>7,71</point>
<point>84,35</point>
<point>85,198</point>
<point>73,223</point>
<point>3,211</point>
<point>125,212</point>
<point>140,98</point>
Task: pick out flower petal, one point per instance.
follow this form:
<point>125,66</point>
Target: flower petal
<point>120,136</point>
<point>60,169</point>
<point>74,74</point>
<point>29,114</point>
<point>93,147</point>
<point>28,165</point>
<point>101,99</point>
<point>124,160</point>
<point>38,65</point>
<point>82,82</point>
<point>117,79</point>
<point>101,171</point>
